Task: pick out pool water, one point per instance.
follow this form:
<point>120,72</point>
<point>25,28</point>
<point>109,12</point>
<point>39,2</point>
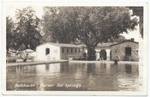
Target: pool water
<point>73,77</point>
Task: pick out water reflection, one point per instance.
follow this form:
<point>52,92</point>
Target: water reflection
<point>91,68</point>
<point>93,77</point>
<point>47,66</point>
<point>128,68</point>
<point>64,67</point>
<point>103,66</point>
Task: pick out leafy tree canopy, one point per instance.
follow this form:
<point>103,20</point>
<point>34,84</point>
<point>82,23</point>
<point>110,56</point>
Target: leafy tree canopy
<point>91,25</point>
<point>139,12</point>
<point>27,29</point>
<point>10,33</point>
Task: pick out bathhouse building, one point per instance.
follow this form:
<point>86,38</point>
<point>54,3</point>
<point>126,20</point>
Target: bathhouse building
<point>126,51</point>
<point>57,51</point>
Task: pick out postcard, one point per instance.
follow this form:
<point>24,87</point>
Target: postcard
<point>74,49</point>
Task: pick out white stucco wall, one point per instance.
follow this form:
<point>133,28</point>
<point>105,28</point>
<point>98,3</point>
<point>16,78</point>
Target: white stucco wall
<point>41,52</point>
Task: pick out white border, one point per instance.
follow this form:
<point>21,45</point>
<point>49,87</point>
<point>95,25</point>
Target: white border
<point>33,3</point>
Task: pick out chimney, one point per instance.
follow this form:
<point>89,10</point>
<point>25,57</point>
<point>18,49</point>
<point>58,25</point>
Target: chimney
<point>132,39</point>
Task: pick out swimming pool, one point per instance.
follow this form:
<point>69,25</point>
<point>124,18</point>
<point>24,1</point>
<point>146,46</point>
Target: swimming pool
<point>73,77</point>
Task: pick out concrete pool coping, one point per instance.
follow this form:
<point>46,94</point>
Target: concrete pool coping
<point>61,61</point>
<point>35,63</point>
<point>119,62</point>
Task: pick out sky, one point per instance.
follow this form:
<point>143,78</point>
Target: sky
<point>133,34</point>
<point>11,11</point>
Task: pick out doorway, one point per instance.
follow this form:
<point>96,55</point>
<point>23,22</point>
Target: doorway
<point>103,54</point>
<point>128,51</point>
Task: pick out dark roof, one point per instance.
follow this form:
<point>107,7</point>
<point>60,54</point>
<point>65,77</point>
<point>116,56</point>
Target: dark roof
<point>106,44</point>
<point>62,44</point>
<point>123,42</point>
<point>65,45</point>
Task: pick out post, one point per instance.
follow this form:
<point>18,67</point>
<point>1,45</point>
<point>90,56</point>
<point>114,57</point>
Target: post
<point>108,54</point>
<point>86,53</point>
<point>98,54</point>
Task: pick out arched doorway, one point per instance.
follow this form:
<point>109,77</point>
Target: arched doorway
<point>103,54</point>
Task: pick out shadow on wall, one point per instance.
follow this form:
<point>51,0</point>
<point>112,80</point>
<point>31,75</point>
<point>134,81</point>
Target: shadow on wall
<point>129,58</point>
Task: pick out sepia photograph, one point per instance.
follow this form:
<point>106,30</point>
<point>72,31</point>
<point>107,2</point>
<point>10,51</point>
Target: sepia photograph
<point>53,48</point>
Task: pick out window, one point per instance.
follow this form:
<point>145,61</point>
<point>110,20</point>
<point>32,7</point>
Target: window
<point>75,50</point>
<point>128,51</point>
<point>63,50</point>
<point>67,50</point>
<point>79,50</point>
<point>71,50</point>
<point>47,51</point>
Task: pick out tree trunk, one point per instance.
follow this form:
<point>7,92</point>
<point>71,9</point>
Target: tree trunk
<point>91,53</point>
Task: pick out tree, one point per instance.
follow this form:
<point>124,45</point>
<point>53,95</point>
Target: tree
<point>27,29</point>
<point>10,36</point>
<point>139,12</point>
<point>58,24</point>
<point>91,25</point>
